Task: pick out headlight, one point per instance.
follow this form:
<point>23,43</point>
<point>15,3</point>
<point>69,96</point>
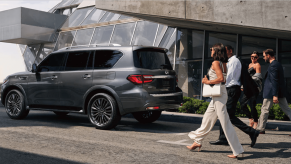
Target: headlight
<point>5,80</point>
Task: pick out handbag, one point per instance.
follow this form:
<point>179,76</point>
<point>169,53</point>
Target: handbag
<point>211,90</point>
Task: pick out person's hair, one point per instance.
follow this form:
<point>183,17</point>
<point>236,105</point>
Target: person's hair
<point>269,52</point>
<point>255,52</point>
<point>220,53</point>
<point>229,47</point>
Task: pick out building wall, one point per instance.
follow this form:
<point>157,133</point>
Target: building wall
<point>271,14</point>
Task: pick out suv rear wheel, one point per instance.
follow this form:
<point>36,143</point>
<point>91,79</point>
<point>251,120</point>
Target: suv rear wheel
<point>103,112</point>
<point>15,105</point>
<point>147,116</point>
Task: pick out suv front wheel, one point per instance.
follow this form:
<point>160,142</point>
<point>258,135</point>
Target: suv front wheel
<point>15,105</point>
<point>103,112</point>
<point>147,116</point>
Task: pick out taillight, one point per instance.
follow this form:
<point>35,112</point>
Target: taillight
<point>176,79</point>
<point>140,79</point>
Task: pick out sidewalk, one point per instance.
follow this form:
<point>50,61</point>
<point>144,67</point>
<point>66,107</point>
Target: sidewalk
<point>197,118</point>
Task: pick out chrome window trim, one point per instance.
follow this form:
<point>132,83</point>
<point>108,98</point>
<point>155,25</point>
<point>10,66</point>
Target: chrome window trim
<point>160,77</point>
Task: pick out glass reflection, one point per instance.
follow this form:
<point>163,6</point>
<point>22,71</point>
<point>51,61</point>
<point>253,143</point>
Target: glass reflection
<point>102,35</point>
<point>30,55</point>
<point>122,34</point>
<point>285,60</point>
<point>166,37</point>
<point>108,16</point>
<point>83,37</point>
<point>65,3</point>
<point>225,39</point>
<point>22,48</point>
<point>161,31</point>
<point>145,33</point>
<point>77,17</point>
<point>94,17</point>
<point>65,39</point>
<point>124,17</point>
<point>44,51</point>
<point>250,44</point>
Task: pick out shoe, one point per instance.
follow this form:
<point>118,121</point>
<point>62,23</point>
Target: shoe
<point>254,138</point>
<point>238,157</point>
<point>262,132</point>
<point>218,142</point>
<point>194,146</point>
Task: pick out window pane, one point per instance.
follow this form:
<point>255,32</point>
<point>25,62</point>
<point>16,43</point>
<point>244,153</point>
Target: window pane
<point>102,35</point>
<point>225,39</point>
<point>284,46</point>
<point>251,44</point>
<point>66,12</point>
<point>106,59</point>
<point>77,17</point>
<point>77,61</point>
<point>29,57</point>
<point>65,39</point>
<point>83,37</point>
<point>145,33</point>
<point>122,34</point>
<point>108,16</point>
<point>149,59</point>
<point>124,17</point>
<point>45,50</point>
<point>166,37</point>
<point>77,2</point>
<point>22,48</point>
<point>94,17</point>
<point>52,63</point>
<point>65,3</point>
<point>161,31</point>
<point>171,48</point>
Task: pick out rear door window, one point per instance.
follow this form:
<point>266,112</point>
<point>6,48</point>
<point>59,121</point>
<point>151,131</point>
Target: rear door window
<point>106,59</point>
<point>79,61</point>
<point>53,62</point>
<point>151,59</point>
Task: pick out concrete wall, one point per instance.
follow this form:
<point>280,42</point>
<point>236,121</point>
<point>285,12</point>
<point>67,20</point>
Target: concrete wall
<point>271,14</point>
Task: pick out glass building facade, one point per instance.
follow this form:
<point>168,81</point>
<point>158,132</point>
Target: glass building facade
<point>189,51</point>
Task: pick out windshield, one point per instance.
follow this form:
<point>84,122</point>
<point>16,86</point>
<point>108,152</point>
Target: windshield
<point>151,59</point>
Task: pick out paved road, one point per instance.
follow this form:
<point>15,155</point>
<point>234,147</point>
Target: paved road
<point>46,138</point>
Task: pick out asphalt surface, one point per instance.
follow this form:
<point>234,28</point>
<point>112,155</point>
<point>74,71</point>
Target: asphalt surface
<point>43,137</point>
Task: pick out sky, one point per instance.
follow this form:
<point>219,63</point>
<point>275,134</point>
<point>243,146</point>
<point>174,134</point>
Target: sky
<point>11,60</point>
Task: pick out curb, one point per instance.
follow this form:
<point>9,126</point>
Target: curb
<point>197,118</point>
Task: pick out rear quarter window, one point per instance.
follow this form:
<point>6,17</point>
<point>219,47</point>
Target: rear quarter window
<point>151,59</point>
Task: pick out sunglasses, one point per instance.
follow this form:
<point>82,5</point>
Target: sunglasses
<point>254,57</point>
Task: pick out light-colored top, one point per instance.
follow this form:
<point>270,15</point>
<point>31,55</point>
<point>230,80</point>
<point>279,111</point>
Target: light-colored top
<point>212,74</point>
<point>233,72</point>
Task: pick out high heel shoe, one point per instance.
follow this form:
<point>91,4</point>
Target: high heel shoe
<point>251,124</point>
<point>194,146</point>
<point>238,157</point>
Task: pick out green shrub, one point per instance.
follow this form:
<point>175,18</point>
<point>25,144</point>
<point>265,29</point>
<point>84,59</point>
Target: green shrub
<point>202,108</point>
<point>190,105</point>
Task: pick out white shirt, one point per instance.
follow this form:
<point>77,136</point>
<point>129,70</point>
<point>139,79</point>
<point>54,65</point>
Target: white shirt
<point>233,72</point>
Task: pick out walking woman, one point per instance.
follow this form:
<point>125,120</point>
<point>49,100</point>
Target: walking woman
<point>217,107</point>
<point>255,72</point>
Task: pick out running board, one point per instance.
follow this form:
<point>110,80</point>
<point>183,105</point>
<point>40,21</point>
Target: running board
<point>56,110</point>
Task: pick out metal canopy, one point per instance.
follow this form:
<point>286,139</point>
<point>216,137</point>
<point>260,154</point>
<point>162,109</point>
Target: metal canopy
<point>28,26</point>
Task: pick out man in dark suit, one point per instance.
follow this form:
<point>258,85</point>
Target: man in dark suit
<point>274,90</point>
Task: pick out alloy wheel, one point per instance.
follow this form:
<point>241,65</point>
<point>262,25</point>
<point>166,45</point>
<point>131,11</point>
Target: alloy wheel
<point>101,111</point>
<point>14,104</point>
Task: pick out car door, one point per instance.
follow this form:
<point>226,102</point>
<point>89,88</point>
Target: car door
<point>43,86</point>
<point>76,78</point>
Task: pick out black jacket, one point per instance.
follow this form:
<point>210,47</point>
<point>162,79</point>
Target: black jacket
<point>274,81</point>
<point>249,86</point>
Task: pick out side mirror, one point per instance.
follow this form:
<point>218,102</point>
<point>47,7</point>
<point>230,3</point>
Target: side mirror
<point>34,68</point>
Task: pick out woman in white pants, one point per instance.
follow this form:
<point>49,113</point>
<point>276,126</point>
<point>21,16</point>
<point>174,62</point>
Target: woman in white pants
<point>217,106</point>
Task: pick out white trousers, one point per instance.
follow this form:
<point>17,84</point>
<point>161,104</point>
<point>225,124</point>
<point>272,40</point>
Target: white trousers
<point>217,108</point>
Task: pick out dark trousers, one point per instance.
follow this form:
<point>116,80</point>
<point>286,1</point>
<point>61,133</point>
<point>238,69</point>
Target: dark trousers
<point>244,106</point>
<point>233,96</point>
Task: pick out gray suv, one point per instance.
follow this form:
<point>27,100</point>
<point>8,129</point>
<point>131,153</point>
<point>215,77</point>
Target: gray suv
<point>102,82</point>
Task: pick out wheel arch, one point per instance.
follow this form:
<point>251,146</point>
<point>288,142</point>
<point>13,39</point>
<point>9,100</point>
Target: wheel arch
<point>11,87</point>
<point>102,89</point>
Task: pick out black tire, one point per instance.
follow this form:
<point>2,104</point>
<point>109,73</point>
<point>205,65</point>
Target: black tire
<point>15,105</point>
<point>147,116</point>
<point>61,113</point>
<point>103,111</point>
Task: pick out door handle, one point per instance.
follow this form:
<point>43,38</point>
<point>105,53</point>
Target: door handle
<point>54,77</point>
<point>86,76</point>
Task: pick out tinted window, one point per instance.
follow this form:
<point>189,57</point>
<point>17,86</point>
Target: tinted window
<point>52,63</point>
<point>77,61</point>
<point>106,59</point>
<point>151,59</point>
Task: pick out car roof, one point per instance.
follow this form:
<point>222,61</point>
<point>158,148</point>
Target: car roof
<point>133,48</point>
